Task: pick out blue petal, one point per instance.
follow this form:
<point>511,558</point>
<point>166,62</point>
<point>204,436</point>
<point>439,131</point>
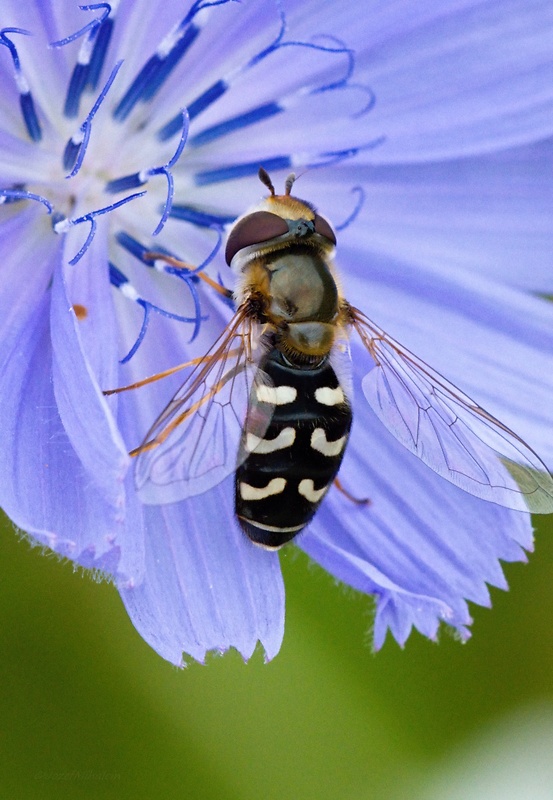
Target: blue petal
<point>20,160</point>
<point>43,486</point>
<point>488,215</point>
<point>206,587</point>
<point>47,23</point>
<point>493,88</point>
<point>491,341</point>
<point>24,277</point>
<point>81,405</point>
<point>422,546</point>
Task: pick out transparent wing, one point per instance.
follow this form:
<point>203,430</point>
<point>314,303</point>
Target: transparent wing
<point>447,430</point>
<point>193,444</point>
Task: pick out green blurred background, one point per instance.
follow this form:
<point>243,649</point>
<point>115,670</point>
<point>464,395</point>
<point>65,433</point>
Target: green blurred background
<point>88,710</point>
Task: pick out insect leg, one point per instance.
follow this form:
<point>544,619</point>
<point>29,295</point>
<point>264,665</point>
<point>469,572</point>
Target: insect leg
<point>178,264</point>
<point>360,501</point>
<point>158,376</point>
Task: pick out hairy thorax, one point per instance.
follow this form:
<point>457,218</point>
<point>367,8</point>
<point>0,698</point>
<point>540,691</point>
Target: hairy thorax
<point>302,300</point>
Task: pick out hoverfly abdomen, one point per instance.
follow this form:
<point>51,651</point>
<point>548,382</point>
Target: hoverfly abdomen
<point>284,476</point>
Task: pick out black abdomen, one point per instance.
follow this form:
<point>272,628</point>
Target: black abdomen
<point>286,474</point>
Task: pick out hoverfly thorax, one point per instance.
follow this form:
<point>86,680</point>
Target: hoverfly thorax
<point>282,251</point>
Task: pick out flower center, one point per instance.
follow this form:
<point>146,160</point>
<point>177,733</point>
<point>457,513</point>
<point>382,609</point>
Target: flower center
<point>124,152</point>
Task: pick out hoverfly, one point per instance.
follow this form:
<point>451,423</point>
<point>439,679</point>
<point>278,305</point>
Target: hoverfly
<point>270,401</point>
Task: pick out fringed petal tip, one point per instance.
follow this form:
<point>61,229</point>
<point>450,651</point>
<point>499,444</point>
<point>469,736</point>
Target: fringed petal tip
<point>401,612</point>
<point>200,654</point>
<point>203,593</point>
<point>186,651</point>
<point>265,650</point>
<point>103,566</point>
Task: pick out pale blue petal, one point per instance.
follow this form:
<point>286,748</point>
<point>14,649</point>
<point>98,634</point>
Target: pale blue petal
<point>206,587</point>
<point>81,405</point>
<point>489,215</point>
<point>44,488</point>
<point>422,544</point>
<point>493,87</point>
<point>491,341</point>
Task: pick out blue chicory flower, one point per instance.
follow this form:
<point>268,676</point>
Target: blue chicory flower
<point>128,127</point>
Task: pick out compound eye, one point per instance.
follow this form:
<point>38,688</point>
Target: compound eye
<point>254,229</point>
<point>323,228</point>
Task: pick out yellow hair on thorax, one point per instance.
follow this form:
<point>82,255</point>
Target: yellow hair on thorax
<point>287,207</point>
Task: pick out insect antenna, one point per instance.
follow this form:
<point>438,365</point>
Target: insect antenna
<point>289,183</point>
<point>264,178</point>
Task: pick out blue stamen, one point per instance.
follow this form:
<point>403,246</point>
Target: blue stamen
<point>335,156</point>
<point>57,219</point>
<point>164,65</point>
<point>142,177</point>
<point>28,110</point>
<point>75,148</point>
<point>30,117</point>
<point>135,91</point>
<point>90,26</point>
<point>116,277</point>
<point>241,170</point>
<point>191,284</point>
<point>133,246</point>
<point>99,52</point>
<point>235,123</point>
<point>10,45</point>
<point>138,250</point>
<point>272,47</point>
<point>341,49</point>
<point>6,199</point>
<point>77,84</point>
<point>169,201</point>
<point>156,70</point>
<point>370,102</point>
<point>188,275</point>
<point>13,195</point>
<point>185,120</point>
<point>345,80</point>
<point>208,97</point>
<point>263,112</point>
<point>81,75</point>
<point>121,282</point>
<point>200,218</point>
<point>217,89</point>
<point>282,162</point>
<point>358,206</point>
<point>88,241</point>
<point>159,66</point>
<point>209,258</point>
<point>127,182</point>
<point>64,225</point>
